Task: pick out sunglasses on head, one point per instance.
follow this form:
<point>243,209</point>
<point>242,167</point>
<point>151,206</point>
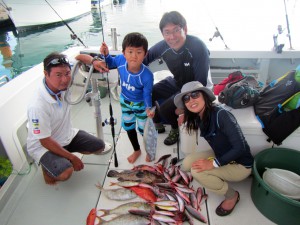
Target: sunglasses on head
<point>58,61</point>
<point>193,95</point>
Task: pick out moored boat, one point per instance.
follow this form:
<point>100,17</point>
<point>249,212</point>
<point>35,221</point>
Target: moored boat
<point>31,14</point>
<point>96,3</point>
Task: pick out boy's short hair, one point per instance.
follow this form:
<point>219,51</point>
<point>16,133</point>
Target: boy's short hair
<point>61,60</point>
<point>135,39</point>
<point>173,17</point>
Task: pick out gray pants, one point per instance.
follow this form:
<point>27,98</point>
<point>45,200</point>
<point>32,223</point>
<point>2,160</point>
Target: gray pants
<point>216,179</point>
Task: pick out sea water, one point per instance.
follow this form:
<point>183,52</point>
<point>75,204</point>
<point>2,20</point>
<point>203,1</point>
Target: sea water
<point>243,25</point>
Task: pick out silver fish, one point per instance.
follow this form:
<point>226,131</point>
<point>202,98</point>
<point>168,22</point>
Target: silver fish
<point>150,138</point>
<point>119,194</point>
<point>166,203</point>
<point>194,201</point>
<point>189,218</point>
<point>183,195</point>
<point>176,178</point>
<point>162,212</point>
<point>196,214</point>
<point>181,203</point>
<point>124,208</point>
<point>163,218</point>
<point>128,219</point>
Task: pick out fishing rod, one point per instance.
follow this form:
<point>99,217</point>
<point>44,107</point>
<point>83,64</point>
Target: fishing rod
<point>112,123</point>
<point>217,32</point>
<point>74,36</point>
<point>100,12</point>
<point>288,25</point>
<point>111,119</point>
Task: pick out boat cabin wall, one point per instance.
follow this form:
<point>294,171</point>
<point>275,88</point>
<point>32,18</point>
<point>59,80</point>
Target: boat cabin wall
<point>278,67</point>
<point>264,65</point>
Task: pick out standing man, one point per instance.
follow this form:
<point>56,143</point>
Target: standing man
<point>279,39</point>
<point>51,138</point>
<point>187,58</point>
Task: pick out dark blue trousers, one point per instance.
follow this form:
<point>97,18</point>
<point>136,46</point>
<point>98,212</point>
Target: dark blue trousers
<point>164,92</point>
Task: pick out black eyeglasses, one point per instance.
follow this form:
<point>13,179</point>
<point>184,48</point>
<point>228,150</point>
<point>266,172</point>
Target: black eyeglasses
<point>58,61</point>
<point>193,95</point>
<point>168,33</point>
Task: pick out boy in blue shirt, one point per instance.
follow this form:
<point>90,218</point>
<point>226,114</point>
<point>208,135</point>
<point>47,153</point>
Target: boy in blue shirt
<point>136,82</point>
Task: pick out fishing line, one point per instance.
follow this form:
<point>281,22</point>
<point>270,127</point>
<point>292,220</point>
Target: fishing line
<point>4,5</point>
<point>74,36</point>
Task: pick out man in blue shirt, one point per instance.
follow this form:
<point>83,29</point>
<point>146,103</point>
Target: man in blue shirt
<point>187,58</point>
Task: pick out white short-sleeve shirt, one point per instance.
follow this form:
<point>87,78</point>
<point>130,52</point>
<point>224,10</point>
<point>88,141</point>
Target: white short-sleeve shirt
<point>47,119</point>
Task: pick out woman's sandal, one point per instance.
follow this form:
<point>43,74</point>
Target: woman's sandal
<point>223,212</point>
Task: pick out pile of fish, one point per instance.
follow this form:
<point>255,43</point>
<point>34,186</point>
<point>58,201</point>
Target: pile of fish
<point>166,189</point>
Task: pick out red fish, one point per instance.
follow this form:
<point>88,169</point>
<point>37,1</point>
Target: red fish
<point>90,220</point>
<point>144,193</point>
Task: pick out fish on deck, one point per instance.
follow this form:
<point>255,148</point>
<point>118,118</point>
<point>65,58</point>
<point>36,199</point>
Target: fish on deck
<point>136,175</point>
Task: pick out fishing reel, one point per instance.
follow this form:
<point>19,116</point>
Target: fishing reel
<point>111,121</point>
<point>91,96</point>
<point>73,36</point>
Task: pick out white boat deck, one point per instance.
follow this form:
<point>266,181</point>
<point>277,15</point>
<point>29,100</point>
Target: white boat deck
<point>29,201</point>
<point>69,203</point>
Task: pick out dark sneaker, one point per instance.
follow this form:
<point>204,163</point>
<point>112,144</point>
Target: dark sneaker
<point>160,128</point>
<point>172,138</point>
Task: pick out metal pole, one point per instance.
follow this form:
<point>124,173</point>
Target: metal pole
<point>114,39</point>
<point>96,102</point>
<point>99,124</point>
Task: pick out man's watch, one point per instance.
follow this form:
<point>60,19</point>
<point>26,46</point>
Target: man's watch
<point>96,58</point>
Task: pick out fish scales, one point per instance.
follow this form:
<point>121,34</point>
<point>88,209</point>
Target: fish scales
<point>136,175</point>
<point>150,138</point>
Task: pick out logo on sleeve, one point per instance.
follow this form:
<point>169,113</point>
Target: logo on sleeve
<point>35,120</point>
<point>35,125</point>
<point>36,131</point>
